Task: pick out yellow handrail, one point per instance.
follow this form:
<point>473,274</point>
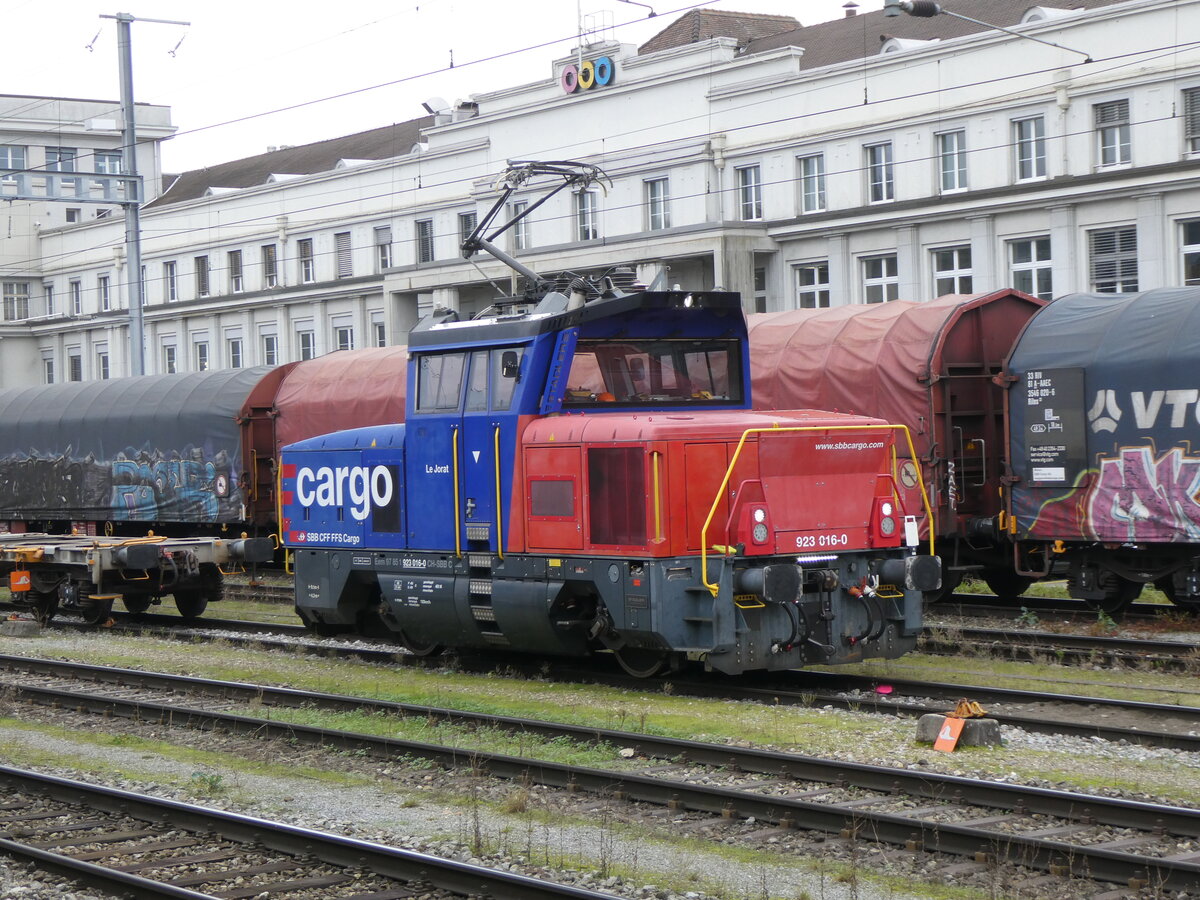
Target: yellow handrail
<point>714,589</point>
<point>655,460</point>
<point>457,517</point>
<point>499,526</point>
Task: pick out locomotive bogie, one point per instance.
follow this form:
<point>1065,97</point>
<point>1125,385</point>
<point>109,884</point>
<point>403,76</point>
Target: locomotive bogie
<point>573,606</point>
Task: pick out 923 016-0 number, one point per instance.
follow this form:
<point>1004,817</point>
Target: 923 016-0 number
<point>811,541</point>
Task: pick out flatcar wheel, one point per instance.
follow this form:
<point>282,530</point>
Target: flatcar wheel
<point>95,612</point>
<point>418,648</point>
<point>642,663</point>
<point>1167,586</point>
<point>950,583</point>
<point>136,603</point>
<point>45,605</point>
<point>190,603</point>
<point>1119,593</point>
<point>1006,584</point>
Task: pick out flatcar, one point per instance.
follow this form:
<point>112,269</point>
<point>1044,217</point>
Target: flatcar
<point>579,469</point>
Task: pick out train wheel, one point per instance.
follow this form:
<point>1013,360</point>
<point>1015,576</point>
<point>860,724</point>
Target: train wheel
<point>1119,592</point>
<point>417,648</point>
<point>45,605</point>
<point>642,663</point>
<point>1167,586</point>
<point>191,602</point>
<point>136,603</point>
<point>95,612</point>
<point>1007,584</point>
<point>950,583</point>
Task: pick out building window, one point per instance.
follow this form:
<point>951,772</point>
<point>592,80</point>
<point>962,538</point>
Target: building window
<point>104,292</point>
<point>881,281</point>
<point>307,341</point>
<point>383,248</point>
<point>170,282</point>
<point>812,285</point>
<point>343,337</point>
<point>952,160</point>
<point>107,162</point>
<point>16,300</point>
<point>1029,265</point>
<point>1114,259</point>
<point>201,276</point>
<point>102,370</point>
<point>760,289</point>
<point>236,281</point>
<point>952,271</point>
<point>270,266</point>
<point>378,330</point>
<point>308,266</point>
<point>73,214</point>
<point>74,364</point>
<point>12,157</point>
<point>1112,133</point>
<point>520,228</point>
<point>48,369</point>
<point>170,362</point>
<point>48,293</point>
<point>658,200</point>
<point>76,288</point>
<point>342,251</point>
<point>270,349</point>
<point>1029,138</point>
<point>62,159</point>
<point>750,193</point>
<point>425,240</point>
<point>812,183</point>
<point>1191,119</point>
<point>466,226</point>
<point>881,181</point>
<point>586,228</point>
<point>1191,252</point>
<point>200,353</point>
<point>233,352</point>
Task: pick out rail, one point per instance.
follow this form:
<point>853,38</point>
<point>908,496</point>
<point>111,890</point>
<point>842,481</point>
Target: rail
<point>714,588</point>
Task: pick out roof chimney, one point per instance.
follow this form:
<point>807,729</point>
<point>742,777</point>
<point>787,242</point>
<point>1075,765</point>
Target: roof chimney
<point>851,9</point>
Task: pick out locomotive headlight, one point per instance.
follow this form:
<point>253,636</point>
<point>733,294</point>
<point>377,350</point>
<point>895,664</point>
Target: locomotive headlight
<point>760,514</point>
<point>760,533</point>
<point>887,525</point>
<point>886,509</point>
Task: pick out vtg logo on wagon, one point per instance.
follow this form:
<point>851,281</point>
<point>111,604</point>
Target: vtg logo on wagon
<point>599,72</point>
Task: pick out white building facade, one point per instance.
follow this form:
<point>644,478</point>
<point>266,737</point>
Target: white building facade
<point>918,168</point>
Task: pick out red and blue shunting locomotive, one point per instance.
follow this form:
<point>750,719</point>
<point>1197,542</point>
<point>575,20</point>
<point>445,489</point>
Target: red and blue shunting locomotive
<point>579,469</point>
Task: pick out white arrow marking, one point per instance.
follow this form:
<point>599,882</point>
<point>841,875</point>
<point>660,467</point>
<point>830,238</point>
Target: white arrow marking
<point>475,453</point>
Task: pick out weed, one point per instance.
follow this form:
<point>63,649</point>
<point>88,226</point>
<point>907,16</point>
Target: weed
<point>208,783</point>
<point>1104,624</point>
<point>1028,618</point>
<point>516,802</point>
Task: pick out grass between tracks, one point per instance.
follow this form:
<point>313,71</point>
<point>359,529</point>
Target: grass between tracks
<point>515,826</point>
<point>852,735</point>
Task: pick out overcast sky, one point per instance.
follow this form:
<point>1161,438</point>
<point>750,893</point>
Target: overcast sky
<point>231,76</point>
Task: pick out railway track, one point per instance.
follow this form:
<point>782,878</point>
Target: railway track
<point>961,604</point>
<point>1121,841</point>
<point>140,846</point>
<point>1145,724</point>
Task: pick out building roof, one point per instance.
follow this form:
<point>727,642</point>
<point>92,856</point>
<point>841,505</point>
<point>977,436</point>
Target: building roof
<point>704,24</point>
<point>305,159</point>
<point>859,36</point>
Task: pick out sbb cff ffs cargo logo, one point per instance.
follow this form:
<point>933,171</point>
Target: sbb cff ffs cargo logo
<point>588,74</point>
<point>357,487</point>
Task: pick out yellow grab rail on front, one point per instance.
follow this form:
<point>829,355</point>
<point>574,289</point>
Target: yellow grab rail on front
<point>457,516</point>
<point>713,588</point>
<point>499,527</point>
